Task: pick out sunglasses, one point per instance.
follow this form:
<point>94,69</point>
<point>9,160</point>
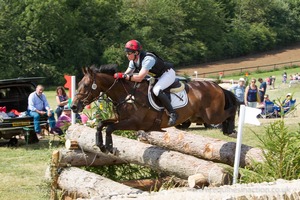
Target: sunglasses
<point>129,53</point>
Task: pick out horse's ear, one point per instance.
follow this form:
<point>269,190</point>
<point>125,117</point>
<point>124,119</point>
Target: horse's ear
<point>84,70</point>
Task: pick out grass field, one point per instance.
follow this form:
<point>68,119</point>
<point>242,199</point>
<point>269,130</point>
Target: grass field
<point>22,169</point>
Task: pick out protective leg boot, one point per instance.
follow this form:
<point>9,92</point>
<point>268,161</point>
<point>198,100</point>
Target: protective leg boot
<point>167,104</point>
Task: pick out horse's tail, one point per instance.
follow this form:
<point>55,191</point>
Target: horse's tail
<point>231,104</point>
<point>230,99</point>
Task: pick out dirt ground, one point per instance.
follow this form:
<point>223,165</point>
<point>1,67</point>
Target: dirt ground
<point>287,54</point>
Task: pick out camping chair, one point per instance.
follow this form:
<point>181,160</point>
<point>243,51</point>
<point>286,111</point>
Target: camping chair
<point>268,111</point>
<point>291,109</point>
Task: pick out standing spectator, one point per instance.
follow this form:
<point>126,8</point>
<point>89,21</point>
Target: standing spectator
<point>239,91</point>
<point>252,94</point>
<point>61,99</point>
<point>273,82</point>
<point>284,77</point>
<point>38,106</point>
<point>262,89</point>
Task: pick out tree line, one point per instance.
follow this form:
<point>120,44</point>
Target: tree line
<point>51,38</point>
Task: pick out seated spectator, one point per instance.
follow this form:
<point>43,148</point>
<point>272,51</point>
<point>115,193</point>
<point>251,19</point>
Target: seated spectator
<point>285,104</point>
<point>64,118</point>
<point>262,104</point>
<point>61,99</point>
<point>38,106</point>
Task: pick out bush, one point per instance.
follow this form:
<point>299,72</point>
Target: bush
<point>281,153</point>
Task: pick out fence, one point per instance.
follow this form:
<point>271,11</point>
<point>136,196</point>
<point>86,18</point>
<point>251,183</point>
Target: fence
<point>247,69</point>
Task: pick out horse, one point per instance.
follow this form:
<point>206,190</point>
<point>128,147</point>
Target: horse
<point>207,103</point>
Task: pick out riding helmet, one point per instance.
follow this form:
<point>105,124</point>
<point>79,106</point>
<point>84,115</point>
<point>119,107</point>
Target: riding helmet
<point>133,45</point>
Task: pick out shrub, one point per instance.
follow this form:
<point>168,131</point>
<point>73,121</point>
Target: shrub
<point>281,153</point>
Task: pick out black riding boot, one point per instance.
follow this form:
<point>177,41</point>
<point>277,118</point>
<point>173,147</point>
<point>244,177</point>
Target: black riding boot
<point>167,104</point>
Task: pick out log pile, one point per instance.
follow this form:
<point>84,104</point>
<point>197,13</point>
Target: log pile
<point>173,152</point>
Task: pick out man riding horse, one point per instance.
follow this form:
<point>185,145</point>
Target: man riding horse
<point>143,63</point>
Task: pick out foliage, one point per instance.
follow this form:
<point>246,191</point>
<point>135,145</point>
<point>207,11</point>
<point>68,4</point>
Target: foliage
<point>52,38</point>
<point>281,153</point>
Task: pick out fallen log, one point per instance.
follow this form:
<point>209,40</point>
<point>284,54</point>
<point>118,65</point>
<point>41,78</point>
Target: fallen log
<point>157,158</point>
<point>84,158</point>
<point>202,147</point>
<point>83,184</point>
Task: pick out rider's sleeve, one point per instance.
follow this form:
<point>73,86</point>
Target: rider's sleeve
<point>148,62</point>
<point>131,65</point>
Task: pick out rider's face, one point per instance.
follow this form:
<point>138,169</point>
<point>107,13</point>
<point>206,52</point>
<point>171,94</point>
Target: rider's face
<point>130,55</point>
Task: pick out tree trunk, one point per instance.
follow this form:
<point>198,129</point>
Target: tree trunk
<point>80,183</point>
<point>80,158</point>
<point>175,163</point>
<point>202,147</point>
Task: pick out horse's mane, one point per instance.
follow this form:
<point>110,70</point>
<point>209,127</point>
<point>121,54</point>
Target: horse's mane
<point>110,69</point>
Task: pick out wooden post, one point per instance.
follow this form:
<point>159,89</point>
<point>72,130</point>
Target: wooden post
<point>54,174</point>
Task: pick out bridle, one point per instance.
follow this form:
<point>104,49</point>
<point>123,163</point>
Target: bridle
<point>94,86</point>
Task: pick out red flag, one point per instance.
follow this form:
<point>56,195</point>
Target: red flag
<point>68,84</point>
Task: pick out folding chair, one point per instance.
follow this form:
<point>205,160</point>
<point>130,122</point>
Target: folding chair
<point>268,111</point>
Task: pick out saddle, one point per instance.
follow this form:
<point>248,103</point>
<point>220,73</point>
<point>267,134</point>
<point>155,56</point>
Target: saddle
<point>177,92</point>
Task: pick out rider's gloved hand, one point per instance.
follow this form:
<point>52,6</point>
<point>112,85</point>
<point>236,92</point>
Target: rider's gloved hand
<point>119,75</point>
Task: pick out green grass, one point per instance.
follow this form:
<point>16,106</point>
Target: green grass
<point>22,169</point>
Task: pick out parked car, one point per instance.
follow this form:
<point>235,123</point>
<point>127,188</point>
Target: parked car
<point>13,108</point>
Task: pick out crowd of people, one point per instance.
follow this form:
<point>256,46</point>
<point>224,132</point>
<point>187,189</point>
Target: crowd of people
<point>38,106</point>
<point>255,96</point>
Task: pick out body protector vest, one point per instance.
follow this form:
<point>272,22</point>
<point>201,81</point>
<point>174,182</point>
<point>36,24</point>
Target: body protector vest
<point>159,67</point>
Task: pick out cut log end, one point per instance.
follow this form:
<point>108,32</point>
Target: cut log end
<point>197,180</point>
<point>71,145</point>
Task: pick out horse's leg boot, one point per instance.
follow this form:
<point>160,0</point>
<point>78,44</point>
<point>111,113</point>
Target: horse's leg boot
<point>167,104</point>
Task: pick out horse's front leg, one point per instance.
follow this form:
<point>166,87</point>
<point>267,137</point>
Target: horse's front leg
<point>99,138</point>
<point>108,138</point>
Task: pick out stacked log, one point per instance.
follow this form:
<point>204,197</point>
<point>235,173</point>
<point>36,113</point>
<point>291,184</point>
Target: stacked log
<point>202,147</point>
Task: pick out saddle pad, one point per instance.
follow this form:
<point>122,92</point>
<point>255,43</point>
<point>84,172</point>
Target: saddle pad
<point>178,100</point>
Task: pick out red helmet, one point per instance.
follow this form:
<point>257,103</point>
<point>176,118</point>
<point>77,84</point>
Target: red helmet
<point>133,45</point>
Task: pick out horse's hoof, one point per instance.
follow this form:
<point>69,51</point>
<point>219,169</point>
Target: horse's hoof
<point>115,152</point>
<point>102,148</point>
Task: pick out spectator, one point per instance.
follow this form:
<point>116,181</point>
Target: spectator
<point>285,104</point>
<point>273,82</point>
<point>61,99</point>
<point>64,118</point>
<point>239,91</point>
<point>251,94</point>
<point>262,89</point>
<point>284,77</point>
<point>38,106</point>
<point>261,105</point>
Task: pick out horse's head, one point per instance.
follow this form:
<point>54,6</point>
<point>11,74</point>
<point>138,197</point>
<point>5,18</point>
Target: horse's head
<point>87,90</point>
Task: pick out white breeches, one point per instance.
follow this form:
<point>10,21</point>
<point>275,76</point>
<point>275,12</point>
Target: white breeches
<point>164,81</point>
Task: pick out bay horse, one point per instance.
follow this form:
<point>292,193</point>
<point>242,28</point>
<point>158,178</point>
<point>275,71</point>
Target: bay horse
<point>207,103</point>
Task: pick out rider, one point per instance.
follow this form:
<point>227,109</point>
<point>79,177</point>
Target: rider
<point>144,63</point>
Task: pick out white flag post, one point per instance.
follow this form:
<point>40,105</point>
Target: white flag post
<point>73,89</point>
<point>247,115</point>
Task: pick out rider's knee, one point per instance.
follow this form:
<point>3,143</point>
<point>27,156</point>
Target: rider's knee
<point>156,90</point>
